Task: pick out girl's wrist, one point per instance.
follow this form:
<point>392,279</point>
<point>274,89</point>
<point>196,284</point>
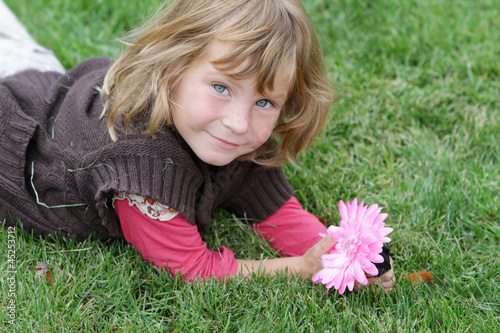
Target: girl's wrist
<point>306,268</point>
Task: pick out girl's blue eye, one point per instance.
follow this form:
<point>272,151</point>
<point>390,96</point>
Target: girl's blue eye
<point>220,89</point>
<point>264,103</point>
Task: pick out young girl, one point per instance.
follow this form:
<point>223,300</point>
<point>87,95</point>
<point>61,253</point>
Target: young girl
<point>199,112</point>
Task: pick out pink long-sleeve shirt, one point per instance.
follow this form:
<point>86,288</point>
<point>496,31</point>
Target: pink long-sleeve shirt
<point>177,245</point>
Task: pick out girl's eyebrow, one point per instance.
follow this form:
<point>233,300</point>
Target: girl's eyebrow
<point>277,97</point>
<point>267,94</point>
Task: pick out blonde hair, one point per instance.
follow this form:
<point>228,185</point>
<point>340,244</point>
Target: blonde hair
<point>273,34</point>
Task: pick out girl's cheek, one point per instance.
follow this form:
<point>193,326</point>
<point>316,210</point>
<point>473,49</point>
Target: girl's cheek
<point>267,130</point>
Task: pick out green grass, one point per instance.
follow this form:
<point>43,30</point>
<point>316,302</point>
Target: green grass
<point>416,130</point>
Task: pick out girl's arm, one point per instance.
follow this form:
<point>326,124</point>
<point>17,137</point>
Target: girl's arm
<point>177,245</point>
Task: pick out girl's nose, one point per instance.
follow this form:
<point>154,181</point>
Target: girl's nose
<point>237,119</point>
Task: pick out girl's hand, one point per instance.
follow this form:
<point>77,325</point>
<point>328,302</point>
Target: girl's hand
<point>385,281</point>
<point>311,260</point>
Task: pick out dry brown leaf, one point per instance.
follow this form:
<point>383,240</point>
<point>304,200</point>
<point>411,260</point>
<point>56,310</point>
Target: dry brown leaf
<point>50,277</point>
<point>420,276</point>
<point>42,268</point>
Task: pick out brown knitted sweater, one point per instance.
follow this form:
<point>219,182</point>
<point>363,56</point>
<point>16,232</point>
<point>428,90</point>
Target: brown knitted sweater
<point>59,168</point>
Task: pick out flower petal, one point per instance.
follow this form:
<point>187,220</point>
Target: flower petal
<point>380,218</point>
<point>373,214</point>
<point>358,273</point>
<point>332,229</point>
<point>353,209</point>
<point>341,287</point>
<point>364,262</point>
<point>324,275</point>
<point>386,231</point>
<point>350,285</point>
<point>334,261</point>
<point>339,278</point>
<point>364,250</point>
<point>368,239</point>
<point>385,239</point>
<point>329,285</point>
<point>377,259</point>
<point>360,213</point>
<point>372,270</point>
<point>371,210</point>
<point>376,247</point>
<point>343,211</point>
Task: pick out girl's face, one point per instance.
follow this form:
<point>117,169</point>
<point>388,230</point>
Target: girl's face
<point>222,118</point>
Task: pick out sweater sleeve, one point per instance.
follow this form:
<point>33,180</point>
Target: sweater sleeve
<point>291,230</point>
<point>174,244</point>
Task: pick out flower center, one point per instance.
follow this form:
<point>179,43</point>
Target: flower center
<point>349,245</point>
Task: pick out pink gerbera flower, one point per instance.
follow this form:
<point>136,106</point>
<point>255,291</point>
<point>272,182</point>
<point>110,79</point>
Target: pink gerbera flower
<point>360,237</point>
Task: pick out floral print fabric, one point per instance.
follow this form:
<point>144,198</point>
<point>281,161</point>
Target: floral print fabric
<point>149,207</point>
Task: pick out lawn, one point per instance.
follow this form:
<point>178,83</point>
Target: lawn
<point>416,130</point>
